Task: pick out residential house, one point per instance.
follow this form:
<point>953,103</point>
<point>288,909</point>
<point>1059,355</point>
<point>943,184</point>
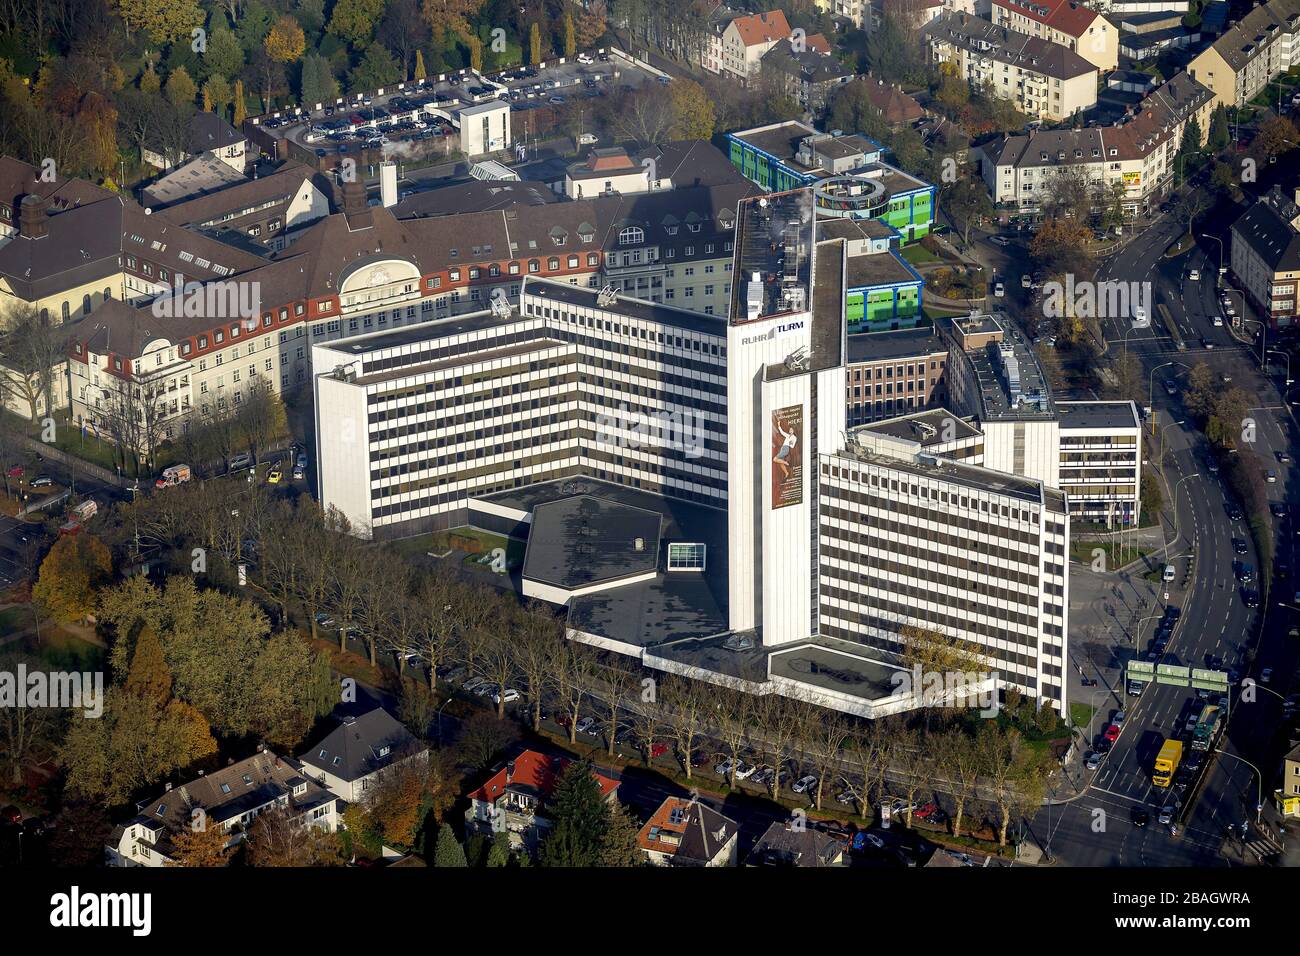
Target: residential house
<point>786,844</point>
<point>230,798</point>
<point>208,133</point>
<point>744,42</point>
<point>808,75</point>
<point>352,758</point>
<point>1288,795</point>
<point>1251,52</point>
<point>1043,79</point>
<point>688,833</point>
<point>1066,22</point>
<point>1265,255</point>
<point>1135,162</point>
<point>514,799</point>
<point>898,108</point>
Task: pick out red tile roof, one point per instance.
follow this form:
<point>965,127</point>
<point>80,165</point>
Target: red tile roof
<point>762,28</point>
<point>535,770</point>
<point>818,44</point>
<point>1068,16</point>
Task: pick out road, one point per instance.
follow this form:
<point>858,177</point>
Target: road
<point>1096,829</point>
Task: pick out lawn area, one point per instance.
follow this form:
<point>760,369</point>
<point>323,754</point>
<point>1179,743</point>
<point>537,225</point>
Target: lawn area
<point>61,650</point>
<point>917,254</point>
<point>439,542</point>
<point>97,451</point>
<point>14,619</point>
<point>1083,552</point>
<point>934,313</point>
<point>1081,714</point>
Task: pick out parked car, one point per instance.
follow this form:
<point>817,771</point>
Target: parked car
<point>1112,733</point>
<point>587,725</point>
<point>1140,817</point>
<point>473,683</point>
<point>324,620</point>
<point>1092,761</point>
<point>804,784</point>
<point>511,695</point>
<point>42,481</point>
<point>274,476</point>
<point>862,839</point>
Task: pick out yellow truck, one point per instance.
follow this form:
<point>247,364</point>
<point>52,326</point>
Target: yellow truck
<point>1171,754</point>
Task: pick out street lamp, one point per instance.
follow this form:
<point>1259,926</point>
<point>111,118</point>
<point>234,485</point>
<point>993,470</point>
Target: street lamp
<point>1285,355</point>
<point>1259,785</point>
<point>1220,242</point>
<point>1174,498</point>
<point>1263,330</point>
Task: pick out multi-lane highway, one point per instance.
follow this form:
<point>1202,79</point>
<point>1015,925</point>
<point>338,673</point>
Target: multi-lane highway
<point>1215,626</point>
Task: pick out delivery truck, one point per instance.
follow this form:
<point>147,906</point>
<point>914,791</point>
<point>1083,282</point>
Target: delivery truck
<point>1166,765</point>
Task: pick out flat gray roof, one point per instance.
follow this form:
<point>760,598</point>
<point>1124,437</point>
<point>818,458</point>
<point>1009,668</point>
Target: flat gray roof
<point>822,665</point>
<point>564,293</point>
<point>967,476</point>
<point>1097,415</point>
<point>996,399</point>
<point>913,427</point>
<point>894,344</point>
<point>674,605</point>
<point>878,268</point>
<point>584,540</point>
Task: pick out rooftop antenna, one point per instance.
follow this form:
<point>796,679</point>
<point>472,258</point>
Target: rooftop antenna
<point>606,297</point>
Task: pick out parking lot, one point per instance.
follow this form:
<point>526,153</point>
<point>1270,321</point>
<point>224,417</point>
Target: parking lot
<point>419,120</point>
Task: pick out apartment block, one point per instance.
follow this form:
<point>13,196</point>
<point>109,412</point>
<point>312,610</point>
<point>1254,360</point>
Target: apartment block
<point>1265,255</point>
<point>1068,23</point>
<point>1136,161</point>
<point>1044,79</point>
<point>1250,53</point>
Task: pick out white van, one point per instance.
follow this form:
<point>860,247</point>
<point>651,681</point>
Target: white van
<point>1170,573</point>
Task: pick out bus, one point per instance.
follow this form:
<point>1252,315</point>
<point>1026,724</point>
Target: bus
<point>1171,754</point>
<point>1171,327</point>
<point>1206,729</point>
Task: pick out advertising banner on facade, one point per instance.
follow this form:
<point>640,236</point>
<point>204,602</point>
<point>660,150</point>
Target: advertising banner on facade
<point>787,456</point>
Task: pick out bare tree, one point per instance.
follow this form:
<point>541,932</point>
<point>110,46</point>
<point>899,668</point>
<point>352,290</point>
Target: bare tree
<point>28,735</point>
<point>437,599</point>
<point>618,687</point>
<point>910,766</point>
<point>685,702</point>
<point>732,715</point>
<point>825,737</point>
<point>384,578</point>
<point>642,115</point>
<point>865,750</point>
<point>572,669</point>
<point>539,634</point>
<point>498,663</point>
<point>261,419</point>
<point>777,722</point>
<point>31,348</point>
<point>961,761</point>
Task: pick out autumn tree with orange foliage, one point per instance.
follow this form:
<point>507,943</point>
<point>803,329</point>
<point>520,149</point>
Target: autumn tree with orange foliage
<point>285,41</point>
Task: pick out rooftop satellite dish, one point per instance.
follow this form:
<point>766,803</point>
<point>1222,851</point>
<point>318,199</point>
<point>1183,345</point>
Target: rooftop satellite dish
<point>606,297</point>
